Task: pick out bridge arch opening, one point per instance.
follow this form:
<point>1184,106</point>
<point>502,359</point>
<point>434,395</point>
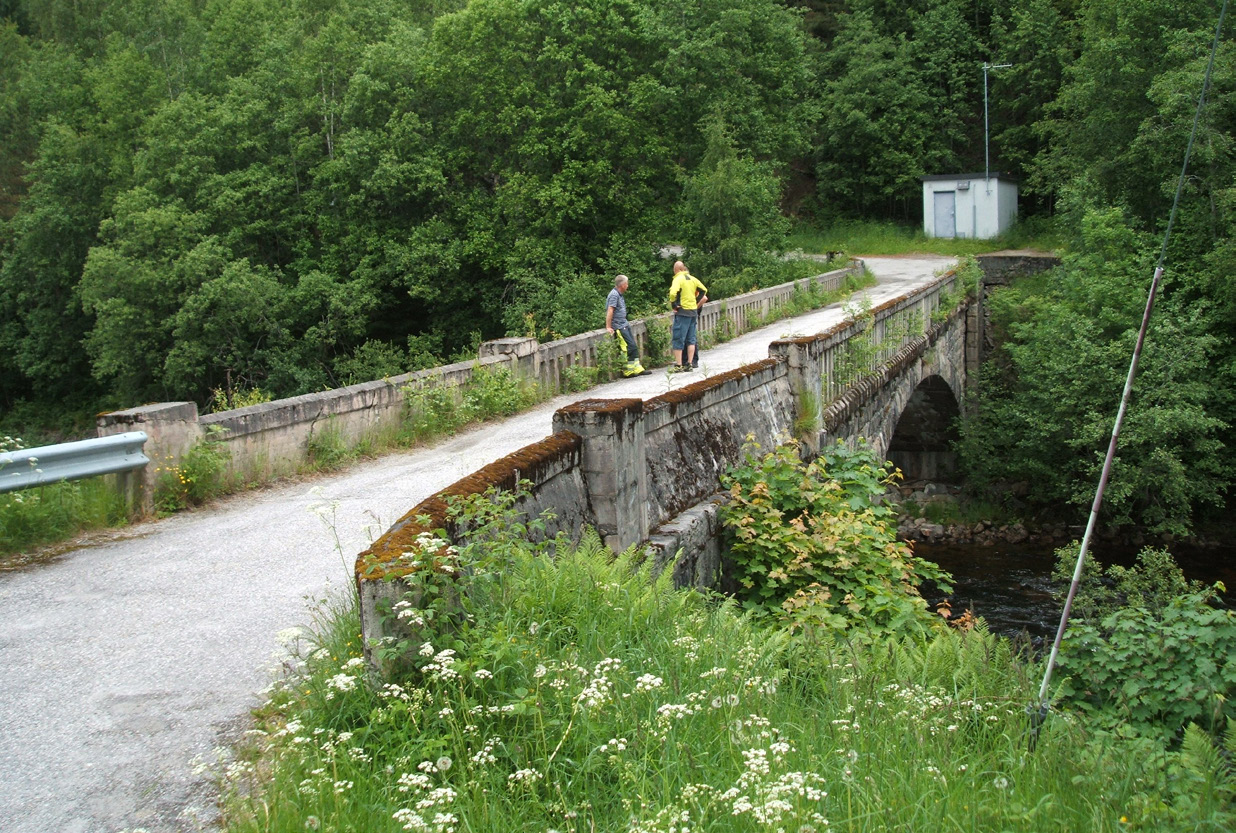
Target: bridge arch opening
<point>922,443</point>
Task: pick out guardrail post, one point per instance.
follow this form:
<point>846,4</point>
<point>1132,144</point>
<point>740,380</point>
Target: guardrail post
<point>171,429</point>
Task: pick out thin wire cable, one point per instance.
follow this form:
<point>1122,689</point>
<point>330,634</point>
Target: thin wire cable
<point>1040,714</point>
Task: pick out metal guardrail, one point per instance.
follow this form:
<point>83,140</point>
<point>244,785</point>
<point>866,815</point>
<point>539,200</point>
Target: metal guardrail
<point>31,467</point>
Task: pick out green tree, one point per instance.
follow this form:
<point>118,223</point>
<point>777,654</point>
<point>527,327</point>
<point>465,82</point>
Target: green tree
<point>876,124</point>
<point>1050,396</point>
<point>42,322</point>
<point>948,55</point>
<point>1039,39</point>
<point>731,206</point>
<point>1105,102</point>
<point>152,253</point>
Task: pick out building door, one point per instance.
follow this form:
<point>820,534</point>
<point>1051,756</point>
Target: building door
<point>946,213</point>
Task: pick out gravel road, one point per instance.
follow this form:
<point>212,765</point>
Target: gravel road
<point>124,661</point>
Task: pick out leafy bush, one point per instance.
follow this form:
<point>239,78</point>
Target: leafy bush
<point>1147,648</point>
<point>1153,581</point>
<point>1154,670</point>
<point>229,399</point>
<point>578,377</point>
<point>431,409</point>
<point>372,360</point>
<point>492,392</point>
<point>812,541</point>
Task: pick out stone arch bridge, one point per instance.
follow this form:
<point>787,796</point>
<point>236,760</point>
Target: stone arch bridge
<point>646,472</point>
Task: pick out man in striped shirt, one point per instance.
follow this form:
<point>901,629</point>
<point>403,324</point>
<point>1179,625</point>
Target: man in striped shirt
<point>616,324</point>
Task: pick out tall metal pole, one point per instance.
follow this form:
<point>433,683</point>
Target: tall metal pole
<point>986,155</point>
<point>1039,714</point>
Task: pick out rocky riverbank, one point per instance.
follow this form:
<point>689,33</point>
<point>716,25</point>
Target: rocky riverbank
<point>928,512</point>
<point>921,502</point>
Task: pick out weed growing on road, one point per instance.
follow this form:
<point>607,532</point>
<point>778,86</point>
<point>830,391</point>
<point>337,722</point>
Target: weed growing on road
<point>198,477</point>
<point>431,409</point>
<point>578,377</point>
<point>496,392</point>
<point>610,359</point>
<point>657,342</point>
<point>434,409</point>
<point>967,275</point>
<point>328,450</point>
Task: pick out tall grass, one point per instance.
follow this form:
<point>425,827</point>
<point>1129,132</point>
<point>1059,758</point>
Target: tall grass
<point>581,695</point>
<point>867,237</point>
<point>51,513</point>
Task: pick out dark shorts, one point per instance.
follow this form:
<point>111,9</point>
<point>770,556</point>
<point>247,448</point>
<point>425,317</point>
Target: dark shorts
<point>684,331</point>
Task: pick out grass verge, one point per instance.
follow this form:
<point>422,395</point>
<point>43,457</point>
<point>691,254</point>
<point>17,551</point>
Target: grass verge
<point>580,695</point>
<point>888,238</point>
<point>52,513</point>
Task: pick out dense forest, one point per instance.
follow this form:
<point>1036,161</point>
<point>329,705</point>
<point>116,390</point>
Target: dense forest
<point>294,194</point>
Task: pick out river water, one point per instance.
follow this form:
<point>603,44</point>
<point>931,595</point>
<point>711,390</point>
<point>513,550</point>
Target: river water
<point>1010,585</point>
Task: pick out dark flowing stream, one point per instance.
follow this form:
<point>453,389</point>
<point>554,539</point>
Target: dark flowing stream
<point>1010,585</point>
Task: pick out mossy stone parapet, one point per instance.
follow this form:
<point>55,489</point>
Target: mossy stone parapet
<point>696,433</point>
<point>542,464</point>
<point>552,466</point>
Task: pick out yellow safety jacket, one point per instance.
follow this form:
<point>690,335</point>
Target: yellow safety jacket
<point>683,291</point>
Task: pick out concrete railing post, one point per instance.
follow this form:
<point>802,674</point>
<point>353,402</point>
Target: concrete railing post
<point>614,466</point>
<point>522,354</point>
<point>805,359</point>
<point>171,430</point>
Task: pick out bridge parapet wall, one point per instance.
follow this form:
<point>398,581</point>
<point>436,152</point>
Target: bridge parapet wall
<point>275,438</point>
<point>623,466</point>
<point>852,359</point>
<point>649,471</point>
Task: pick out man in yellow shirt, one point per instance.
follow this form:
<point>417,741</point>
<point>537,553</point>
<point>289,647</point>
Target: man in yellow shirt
<point>686,296</point>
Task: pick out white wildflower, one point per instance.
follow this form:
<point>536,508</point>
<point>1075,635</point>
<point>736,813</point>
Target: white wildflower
<point>648,682</point>
<point>524,776</point>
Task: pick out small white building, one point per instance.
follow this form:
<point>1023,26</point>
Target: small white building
<point>969,205</point>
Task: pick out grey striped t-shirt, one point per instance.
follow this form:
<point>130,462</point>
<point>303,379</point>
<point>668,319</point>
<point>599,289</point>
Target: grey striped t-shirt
<point>619,304</point>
